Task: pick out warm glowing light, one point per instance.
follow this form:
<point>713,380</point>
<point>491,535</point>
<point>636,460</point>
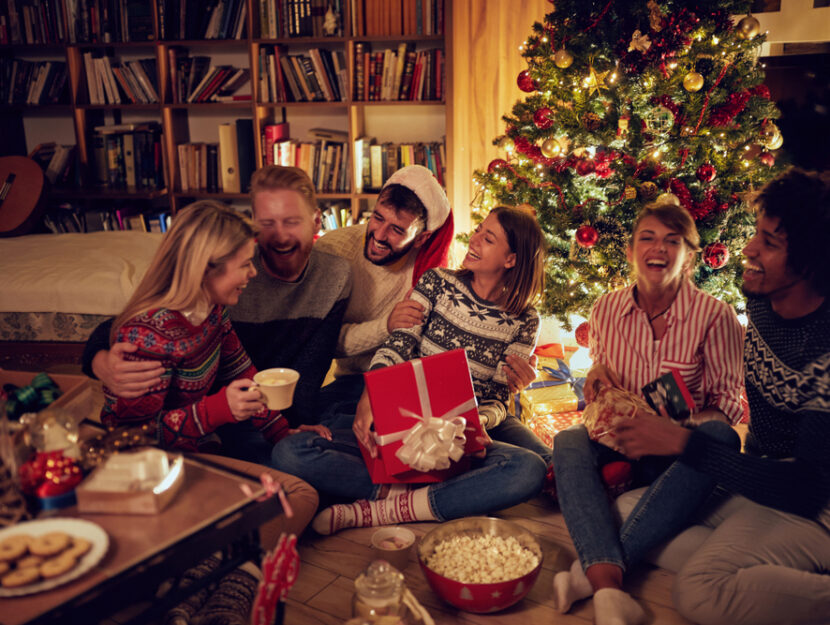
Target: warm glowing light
<point>715,40</point>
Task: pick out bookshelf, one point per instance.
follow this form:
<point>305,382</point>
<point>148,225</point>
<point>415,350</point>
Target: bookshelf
<point>111,49</point>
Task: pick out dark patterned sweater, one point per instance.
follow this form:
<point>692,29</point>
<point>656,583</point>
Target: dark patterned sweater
<point>787,461</point>
<point>454,316</point>
<point>199,361</point>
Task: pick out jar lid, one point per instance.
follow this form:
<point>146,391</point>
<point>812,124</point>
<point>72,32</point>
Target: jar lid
<point>380,580</point>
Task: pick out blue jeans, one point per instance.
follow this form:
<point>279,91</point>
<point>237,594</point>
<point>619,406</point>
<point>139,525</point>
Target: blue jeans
<point>507,475</point>
<point>244,442</point>
<point>340,396</point>
<point>513,431</point>
<point>666,508</point>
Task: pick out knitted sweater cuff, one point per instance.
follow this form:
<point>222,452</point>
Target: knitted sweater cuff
<point>217,411</point>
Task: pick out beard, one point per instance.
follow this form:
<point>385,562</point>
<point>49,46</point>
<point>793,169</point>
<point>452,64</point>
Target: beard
<point>393,255</point>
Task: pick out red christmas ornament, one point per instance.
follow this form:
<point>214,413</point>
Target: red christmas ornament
<point>587,236</point>
<point>706,172</point>
<point>525,81</point>
<point>495,164</point>
<point>543,118</point>
<point>585,168</point>
<point>767,158</point>
<point>582,331</point>
<point>715,255</point>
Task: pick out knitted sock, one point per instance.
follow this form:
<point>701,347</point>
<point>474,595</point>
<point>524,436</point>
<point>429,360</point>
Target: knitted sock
<point>616,607</point>
<point>182,613</point>
<point>231,602</point>
<point>405,507</point>
<point>569,587</point>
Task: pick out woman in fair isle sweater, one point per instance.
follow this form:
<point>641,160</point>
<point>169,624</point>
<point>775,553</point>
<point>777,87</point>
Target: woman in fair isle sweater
<point>487,309</point>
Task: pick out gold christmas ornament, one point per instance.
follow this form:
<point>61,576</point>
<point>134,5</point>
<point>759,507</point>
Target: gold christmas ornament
<point>506,144</point>
<point>748,27</point>
<point>692,82</point>
<point>629,192</point>
<point>776,143</point>
<point>660,120</point>
<point>595,81</point>
<point>771,137</point>
<point>551,148</point>
<point>668,198</point>
<point>563,59</point>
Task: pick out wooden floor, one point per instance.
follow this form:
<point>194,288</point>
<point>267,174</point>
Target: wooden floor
<point>322,594</point>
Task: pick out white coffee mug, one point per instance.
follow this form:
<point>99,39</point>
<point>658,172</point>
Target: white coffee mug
<point>276,387</point>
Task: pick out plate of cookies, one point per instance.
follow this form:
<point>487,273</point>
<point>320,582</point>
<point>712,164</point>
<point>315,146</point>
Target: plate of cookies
<point>40,555</point>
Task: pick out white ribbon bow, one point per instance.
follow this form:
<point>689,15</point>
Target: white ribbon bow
<point>433,442</point>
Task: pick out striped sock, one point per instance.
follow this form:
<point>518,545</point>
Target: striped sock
<point>398,507</point>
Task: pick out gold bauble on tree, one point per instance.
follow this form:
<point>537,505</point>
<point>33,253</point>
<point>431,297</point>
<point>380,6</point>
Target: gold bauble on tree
<point>551,148</point>
<point>506,144</point>
<point>748,27</point>
<point>563,59</point>
<point>693,82</point>
<point>771,137</point>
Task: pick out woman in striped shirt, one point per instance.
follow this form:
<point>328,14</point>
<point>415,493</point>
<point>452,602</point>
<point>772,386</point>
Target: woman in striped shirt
<point>662,322</point>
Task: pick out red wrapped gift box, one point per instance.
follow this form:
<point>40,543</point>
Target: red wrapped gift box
<point>425,417</point>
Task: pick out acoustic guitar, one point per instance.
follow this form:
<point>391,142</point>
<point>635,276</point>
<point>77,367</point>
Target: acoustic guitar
<point>21,195</point>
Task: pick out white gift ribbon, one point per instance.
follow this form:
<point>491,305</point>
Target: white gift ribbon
<point>433,442</point>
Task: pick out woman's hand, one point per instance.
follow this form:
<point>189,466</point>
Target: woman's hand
<point>362,425</point>
<point>599,376</point>
<point>321,430</point>
<point>650,435</point>
<point>243,400</point>
<point>519,372</point>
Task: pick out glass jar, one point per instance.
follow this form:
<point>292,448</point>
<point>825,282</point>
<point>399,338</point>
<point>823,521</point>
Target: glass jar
<point>378,595</point>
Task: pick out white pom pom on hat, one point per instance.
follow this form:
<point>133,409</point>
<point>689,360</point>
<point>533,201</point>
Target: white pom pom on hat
<point>423,183</point>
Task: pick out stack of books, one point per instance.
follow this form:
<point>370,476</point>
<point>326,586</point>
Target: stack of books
<point>397,17</point>
<point>300,18</point>
<point>397,75</point>
<point>317,76</point>
<point>128,156</point>
<point>96,21</point>
<point>32,82</point>
<point>111,82</point>
<point>375,162</point>
<point>325,158</point>
<point>196,79</point>
<point>27,22</point>
<point>202,19</point>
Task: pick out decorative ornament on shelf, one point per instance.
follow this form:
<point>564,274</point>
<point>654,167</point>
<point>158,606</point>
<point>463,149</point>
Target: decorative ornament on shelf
<point>587,236</point>
<point>526,82</point>
<point>659,120</point>
<point>543,118</point>
<point>563,59</point>
<point>771,137</point>
<point>693,82</point>
<point>767,158</point>
<point>495,164</point>
<point>716,255</point>
<point>581,334</point>
<point>551,148</point>
<point>591,121</point>
<point>330,22</point>
<point>648,190</point>
<point>506,144</point>
<point>748,27</point>
<point>639,42</point>
<point>706,172</point>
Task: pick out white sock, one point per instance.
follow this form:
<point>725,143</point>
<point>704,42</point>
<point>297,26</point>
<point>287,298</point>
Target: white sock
<point>570,586</point>
<point>616,607</point>
<point>406,507</point>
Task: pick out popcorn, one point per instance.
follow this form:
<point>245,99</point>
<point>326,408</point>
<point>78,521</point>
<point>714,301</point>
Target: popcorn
<point>481,559</point>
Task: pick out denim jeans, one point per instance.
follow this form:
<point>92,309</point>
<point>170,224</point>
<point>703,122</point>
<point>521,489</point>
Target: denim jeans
<point>507,475</point>
<point>666,508</point>
<point>513,431</point>
<point>244,442</point>
<point>339,396</point>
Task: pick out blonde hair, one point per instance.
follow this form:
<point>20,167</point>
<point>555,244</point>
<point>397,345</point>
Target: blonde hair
<point>276,177</point>
<point>202,238</point>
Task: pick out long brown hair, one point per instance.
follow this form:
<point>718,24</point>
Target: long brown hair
<point>524,281</point>
<point>672,215</point>
<point>202,238</point>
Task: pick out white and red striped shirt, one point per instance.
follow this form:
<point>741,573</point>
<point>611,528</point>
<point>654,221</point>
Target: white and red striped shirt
<point>703,340</point>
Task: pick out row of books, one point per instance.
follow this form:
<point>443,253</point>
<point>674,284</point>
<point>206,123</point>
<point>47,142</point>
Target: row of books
<point>325,162</point>
<point>128,156</point>
<point>32,82</point>
<point>196,79</point>
<point>375,162</point>
<point>397,17</point>
<point>336,215</point>
<point>111,82</point>
<point>68,218</point>
<point>300,18</point>
<point>202,19</point>
<point>320,75</point>
<point>225,166</point>
<point>32,22</point>
<point>108,21</point>
<point>397,75</point>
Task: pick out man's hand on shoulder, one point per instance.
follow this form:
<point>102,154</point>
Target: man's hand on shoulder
<point>126,378</point>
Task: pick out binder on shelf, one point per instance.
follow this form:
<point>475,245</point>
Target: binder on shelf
<point>245,152</point>
<point>229,158</point>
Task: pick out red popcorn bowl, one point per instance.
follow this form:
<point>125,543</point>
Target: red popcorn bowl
<point>507,588</point>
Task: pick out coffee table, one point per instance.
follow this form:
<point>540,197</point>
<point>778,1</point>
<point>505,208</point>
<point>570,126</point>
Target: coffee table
<point>209,514</point>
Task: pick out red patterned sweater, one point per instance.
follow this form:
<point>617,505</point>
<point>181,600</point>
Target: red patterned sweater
<point>197,360</point>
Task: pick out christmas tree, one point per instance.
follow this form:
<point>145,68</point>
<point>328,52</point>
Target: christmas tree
<point>626,101</point>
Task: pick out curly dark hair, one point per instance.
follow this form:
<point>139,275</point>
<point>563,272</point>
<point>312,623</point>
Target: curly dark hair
<point>801,201</point>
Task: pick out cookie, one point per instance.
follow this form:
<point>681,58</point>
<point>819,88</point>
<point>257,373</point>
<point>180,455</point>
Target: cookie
<point>58,566</point>
<point>4,568</point>
<point>79,547</point>
<point>20,577</point>
<point>28,561</point>
<point>14,547</point>
<point>50,544</point>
